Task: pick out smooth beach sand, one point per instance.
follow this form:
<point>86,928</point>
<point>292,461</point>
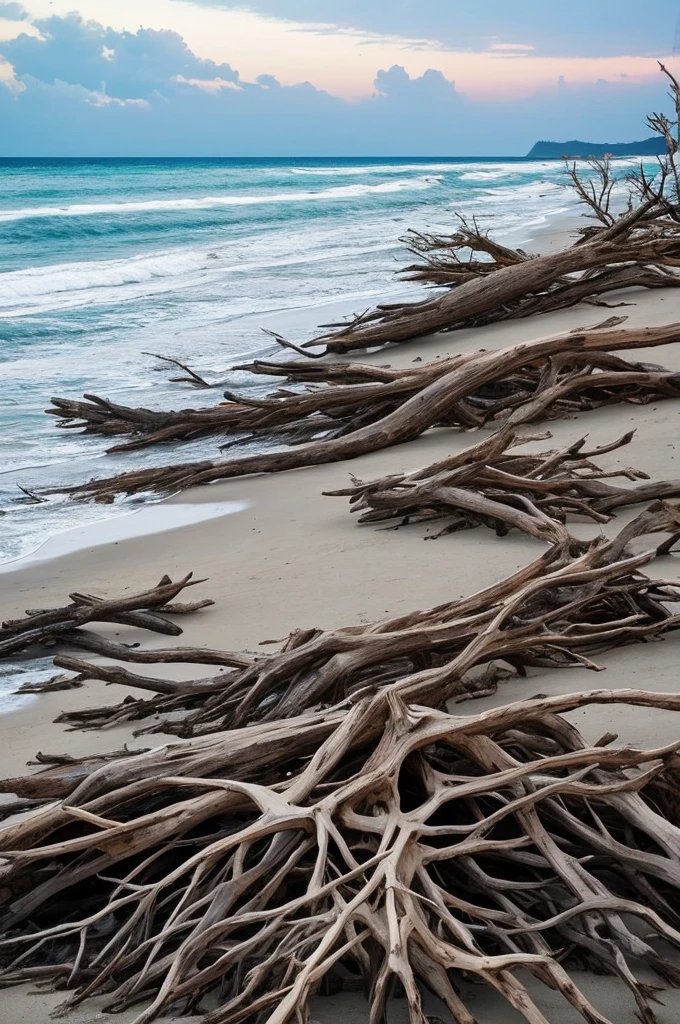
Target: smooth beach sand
<point>292,558</point>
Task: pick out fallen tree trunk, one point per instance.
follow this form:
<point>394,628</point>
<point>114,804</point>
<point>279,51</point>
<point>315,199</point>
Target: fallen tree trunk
<point>564,373</point>
<point>488,297</point>
<point>494,486</point>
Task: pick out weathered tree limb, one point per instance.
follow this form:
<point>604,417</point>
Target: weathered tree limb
<point>490,295</point>
<point>557,610</point>
<point>193,378</point>
<point>47,626</point>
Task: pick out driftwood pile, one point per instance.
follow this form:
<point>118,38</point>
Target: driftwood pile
<point>550,376</point>
<point>493,485</point>
<point>519,384</point>
<point>415,849</point>
<point>559,609</point>
<point>346,828</point>
<point>349,829</point>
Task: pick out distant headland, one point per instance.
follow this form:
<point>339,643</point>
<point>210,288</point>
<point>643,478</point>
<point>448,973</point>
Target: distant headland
<point>555,150</point>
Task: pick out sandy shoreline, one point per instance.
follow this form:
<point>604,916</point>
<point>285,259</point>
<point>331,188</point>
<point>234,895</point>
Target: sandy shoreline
<point>291,558</point>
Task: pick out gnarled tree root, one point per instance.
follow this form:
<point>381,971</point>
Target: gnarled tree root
<point>417,849</point>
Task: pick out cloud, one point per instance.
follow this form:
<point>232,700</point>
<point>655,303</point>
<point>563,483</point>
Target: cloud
<point>211,85</point>
<point>432,87</point>
<point>85,53</point>
<point>102,99</point>
<point>79,88</point>
<point>8,80</point>
<point>579,28</point>
<point>13,11</point>
<point>511,48</point>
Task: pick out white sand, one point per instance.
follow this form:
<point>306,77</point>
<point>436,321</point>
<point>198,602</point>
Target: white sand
<point>292,558</point>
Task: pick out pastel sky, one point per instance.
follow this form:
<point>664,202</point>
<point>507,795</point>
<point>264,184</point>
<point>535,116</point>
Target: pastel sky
<point>306,77</point>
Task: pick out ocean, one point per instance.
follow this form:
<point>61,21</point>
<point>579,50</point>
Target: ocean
<point>102,261</point>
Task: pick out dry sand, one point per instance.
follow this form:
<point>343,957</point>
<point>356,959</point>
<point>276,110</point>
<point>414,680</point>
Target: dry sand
<point>293,558</point>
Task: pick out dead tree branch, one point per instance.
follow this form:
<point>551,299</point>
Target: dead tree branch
<point>149,611</point>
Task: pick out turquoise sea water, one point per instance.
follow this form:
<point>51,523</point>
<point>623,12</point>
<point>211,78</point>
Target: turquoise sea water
<point>103,260</point>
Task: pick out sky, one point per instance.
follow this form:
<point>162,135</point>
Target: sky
<point>327,77</point>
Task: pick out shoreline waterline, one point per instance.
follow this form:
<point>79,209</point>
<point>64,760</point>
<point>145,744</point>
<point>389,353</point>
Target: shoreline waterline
<point>160,516</point>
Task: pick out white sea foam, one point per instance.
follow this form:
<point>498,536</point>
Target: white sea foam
<point>384,169</point>
<point>25,286</point>
<point>68,285</point>
<point>214,202</point>
<point>529,191</point>
<point>489,175</point>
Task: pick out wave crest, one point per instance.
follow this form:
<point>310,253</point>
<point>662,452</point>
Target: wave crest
<point>339,192</point>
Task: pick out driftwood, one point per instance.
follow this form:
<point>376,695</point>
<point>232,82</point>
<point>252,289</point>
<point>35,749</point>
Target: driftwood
<point>559,610</point>
<point>49,626</point>
<point>349,824</point>
<point>470,254</point>
<point>493,485</point>
<point>538,285</point>
<point>192,377</point>
<point>519,384</point>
